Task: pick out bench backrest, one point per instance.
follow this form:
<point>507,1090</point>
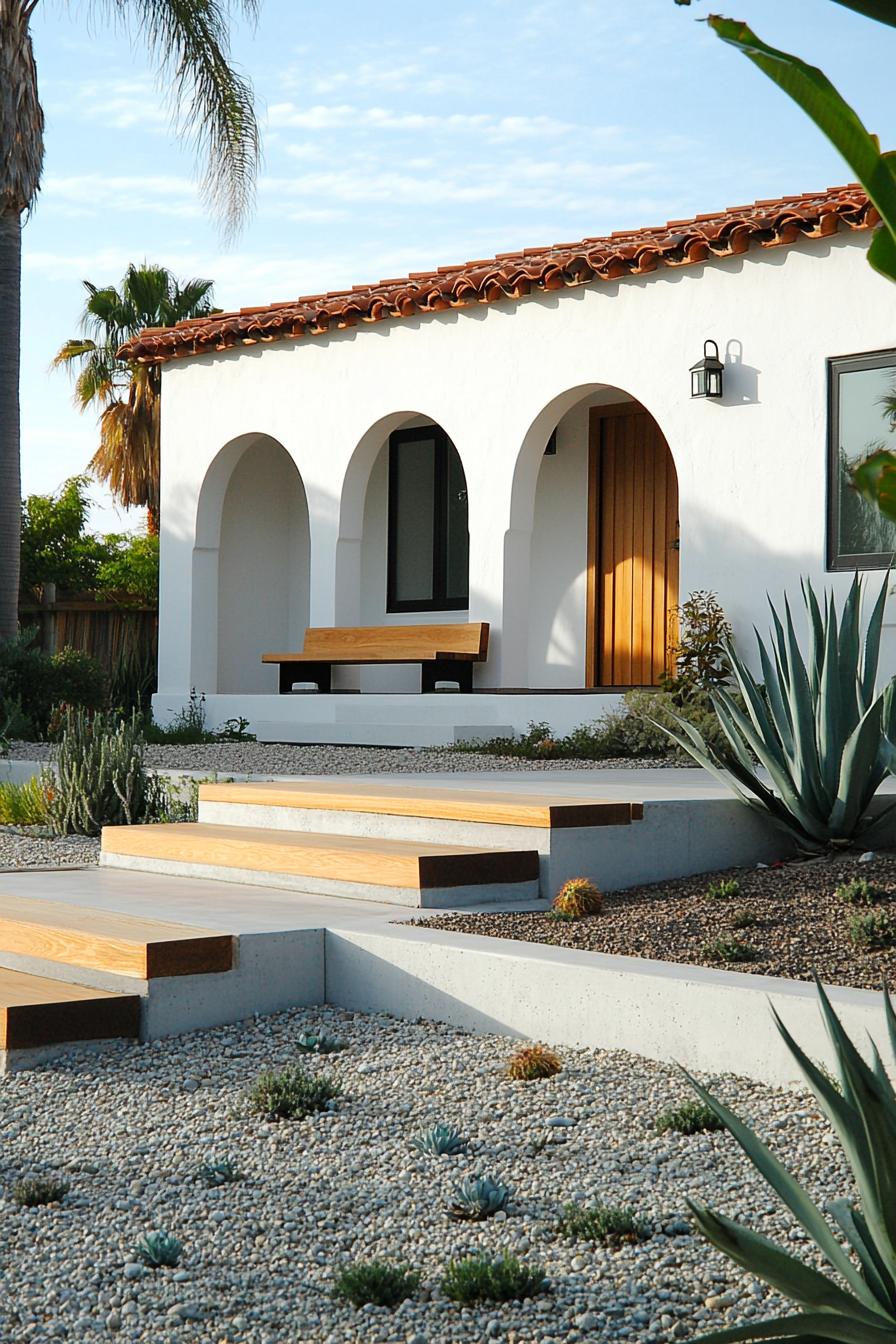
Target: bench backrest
<point>402,641</point>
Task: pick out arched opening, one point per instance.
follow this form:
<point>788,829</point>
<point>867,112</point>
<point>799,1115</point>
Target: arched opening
<point>251,566</point>
<point>596,498</point>
<point>403,550</point>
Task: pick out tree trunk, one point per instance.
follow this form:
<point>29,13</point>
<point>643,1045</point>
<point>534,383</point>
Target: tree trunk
<point>10,474</point>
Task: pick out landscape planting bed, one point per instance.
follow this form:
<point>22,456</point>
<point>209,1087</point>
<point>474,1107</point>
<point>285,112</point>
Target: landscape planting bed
<point>129,1128</point>
<point>801,927</point>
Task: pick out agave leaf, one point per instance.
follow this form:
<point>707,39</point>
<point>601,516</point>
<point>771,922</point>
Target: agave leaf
<point>849,650</point>
<point>777,703</point>
<point>795,1279</point>
<point>877,1274</point>
<point>831,713</point>
<point>860,773</point>
<point>890,1019</point>
<point>872,643</point>
<point>766,755</point>
<point>817,631</point>
<point>780,647</point>
<point>789,1190</point>
<point>808,772</point>
<point>804,1325</point>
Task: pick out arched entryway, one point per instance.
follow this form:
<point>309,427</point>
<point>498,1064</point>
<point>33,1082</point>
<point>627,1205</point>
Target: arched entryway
<point>251,571</point>
<point>591,569</point>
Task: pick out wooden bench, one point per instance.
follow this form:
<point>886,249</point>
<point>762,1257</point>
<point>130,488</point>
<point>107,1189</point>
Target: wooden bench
<point>444,652</point>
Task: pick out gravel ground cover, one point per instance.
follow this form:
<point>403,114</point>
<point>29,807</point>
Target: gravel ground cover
<point>128,1127</point>
<point>290,758</point>
<point>22,847</point>
<point>788,915</point>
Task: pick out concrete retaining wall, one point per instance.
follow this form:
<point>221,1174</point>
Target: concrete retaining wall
<point>716,1021</point>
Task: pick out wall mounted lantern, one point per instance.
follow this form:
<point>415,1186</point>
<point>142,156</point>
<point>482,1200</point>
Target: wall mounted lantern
<point>706,374</point>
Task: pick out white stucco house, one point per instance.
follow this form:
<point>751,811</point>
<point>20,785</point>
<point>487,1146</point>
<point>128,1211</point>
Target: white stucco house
<point>515,441</point>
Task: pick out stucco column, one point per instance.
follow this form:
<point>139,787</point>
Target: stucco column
<point>488,493</point>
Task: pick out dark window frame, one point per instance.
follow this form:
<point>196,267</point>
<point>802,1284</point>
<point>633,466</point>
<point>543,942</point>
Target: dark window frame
<point>838,561</point>
<point>439,601</point>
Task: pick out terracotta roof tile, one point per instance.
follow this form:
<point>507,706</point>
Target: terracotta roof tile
<point>514,275</point>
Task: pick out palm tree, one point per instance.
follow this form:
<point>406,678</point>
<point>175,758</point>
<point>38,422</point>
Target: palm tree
<point>128,393</point>
<point>188,40</point>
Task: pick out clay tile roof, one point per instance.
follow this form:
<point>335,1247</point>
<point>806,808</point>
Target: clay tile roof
<point>511,276</point>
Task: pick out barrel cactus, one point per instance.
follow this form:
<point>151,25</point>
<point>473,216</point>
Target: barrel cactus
<point>577,898</point>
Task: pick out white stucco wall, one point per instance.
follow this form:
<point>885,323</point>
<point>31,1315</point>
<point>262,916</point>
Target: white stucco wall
<point>752,469</point>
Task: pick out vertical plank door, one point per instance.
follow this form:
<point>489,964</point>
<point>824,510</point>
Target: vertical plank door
<point>632,549</point>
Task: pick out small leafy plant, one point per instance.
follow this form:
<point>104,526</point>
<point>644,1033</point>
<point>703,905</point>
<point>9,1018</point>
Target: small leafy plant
<point>727,947</point>
<point>478,1198</point>
<point>858,892</point>
<point>23,804</point>
<point>36,1190</point>
<point>311,1043</point>
<point>531,1062</point>
<point>439,1141</point>
<point>611,1224</point>
<point>218,1171</point>
<point>576,899</point>
<point>691,1117</point>
<point>871,930</point>
<point>377,1282</point>
<point>724,889</point>
<point>292,1094</point>
<point>158,1250</point>
<point>478,1278</point>
<point>745,918</point>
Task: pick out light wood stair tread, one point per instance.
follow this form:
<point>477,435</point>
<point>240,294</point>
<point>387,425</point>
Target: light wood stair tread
<point>35,1011</point>
<point>390,863</point>
<point>108,940</point>
<point>497,807</point>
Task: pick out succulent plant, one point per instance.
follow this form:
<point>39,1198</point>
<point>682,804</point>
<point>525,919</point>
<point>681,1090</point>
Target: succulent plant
<point>871,930</point>
<point>857,892</point>
<point>612,1224</point>
<point>159,1248</point>
<point>218,1171</point>
<point>577,898</point>
<point>724,889</point>
<point>292,1094</point>
<point>479,1278</point>
<point>376,1281</point>
<point>313,1044</point>
<point>439,1141</point>
<point>37,1190</point>
<point>478,1198</point>
<point>533,1061</point>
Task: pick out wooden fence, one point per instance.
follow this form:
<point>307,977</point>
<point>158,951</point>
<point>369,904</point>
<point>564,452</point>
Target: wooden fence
<point>111,632</point>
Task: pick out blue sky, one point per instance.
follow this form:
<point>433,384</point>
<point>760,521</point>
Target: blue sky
<point>404,135</point>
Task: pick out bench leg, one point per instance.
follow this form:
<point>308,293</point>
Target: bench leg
<point>446,670</point>
<point>319,673</point>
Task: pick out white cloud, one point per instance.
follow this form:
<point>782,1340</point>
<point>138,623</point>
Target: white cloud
<point>339,116</point>
<point>98,193</point>
<point>120,104</point>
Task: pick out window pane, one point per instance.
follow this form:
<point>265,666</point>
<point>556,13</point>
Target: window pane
<point>412,522</point>
<point>864,425</point>
<point>457,536</point>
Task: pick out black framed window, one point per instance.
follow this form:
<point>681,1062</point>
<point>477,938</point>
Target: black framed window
<point>860,420</point>
<point>429,541</point>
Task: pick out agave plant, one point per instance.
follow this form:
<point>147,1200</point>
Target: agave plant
<point>440,1140</point>
<point>817,727</point>
<point>159,1249</point>
<point>310,1043</point>
<point>218,1171</point>
<point>478,1198</point>
<point>859,1306</point>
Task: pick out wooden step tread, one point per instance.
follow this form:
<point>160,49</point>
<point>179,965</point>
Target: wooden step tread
<point>35,1011</point>
<point>444,804</point>
<point>108,941</point>
<point>385,863</point>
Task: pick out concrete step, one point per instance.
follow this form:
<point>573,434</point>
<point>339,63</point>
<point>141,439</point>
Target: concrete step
<point>36,1013</point>
<point>104,940</point>
<point>400,872</point>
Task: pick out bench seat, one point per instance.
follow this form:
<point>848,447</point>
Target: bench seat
<point>444,652</point>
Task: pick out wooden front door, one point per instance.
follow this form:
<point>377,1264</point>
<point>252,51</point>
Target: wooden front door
<point>632,548</point>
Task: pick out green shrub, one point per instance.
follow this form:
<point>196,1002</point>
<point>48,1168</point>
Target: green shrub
<point>158,1249</point>
<point>292,1094</point>
<point>34,683</point>
<point>100,779</point>
<point>376,1281</point>
<point>37,1190</point>
<point>700,660</point>
<point>744,918</point>
<point>871,930</point>
<point>727,947</point>
<point>858,892</point>
<point>856,1302</point>
<point>186,728</point>
<point>23,804</point>
<point>56,548</point>
<point>691,1117</point>
<point>130,567</point>
<point>477,1278</point>
<point>723,890</point>
<point>609,1223</point>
